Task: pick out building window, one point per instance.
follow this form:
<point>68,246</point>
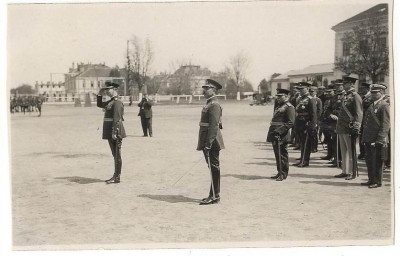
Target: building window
<point>346,49</point>
<point>91,84</point>
<point>59,86</point>
<point>363,45</point>
<point>382,43</point>
<point>279,86</point>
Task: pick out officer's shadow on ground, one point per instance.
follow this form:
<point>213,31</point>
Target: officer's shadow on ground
<point>245,177</point>
<point>80,180</point>
<point>171,198</point>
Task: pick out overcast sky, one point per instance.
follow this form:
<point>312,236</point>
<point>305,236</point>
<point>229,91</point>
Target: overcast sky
<point>276,35</point>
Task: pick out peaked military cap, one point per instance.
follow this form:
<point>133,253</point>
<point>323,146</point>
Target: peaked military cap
<point>111,84</point>
<point>301,85</point>
<point>377,87</point>
<point>365,84</point>
<point>350,78</point>
<point>281,92</point>
<point>212,83</point>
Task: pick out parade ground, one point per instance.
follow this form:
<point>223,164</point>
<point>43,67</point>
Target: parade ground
<point>60,201</point>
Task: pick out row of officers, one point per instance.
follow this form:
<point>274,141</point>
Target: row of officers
<point>342,116</point>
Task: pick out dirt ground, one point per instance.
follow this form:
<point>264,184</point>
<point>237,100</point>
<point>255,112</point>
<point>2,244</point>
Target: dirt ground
<point>60,201</point>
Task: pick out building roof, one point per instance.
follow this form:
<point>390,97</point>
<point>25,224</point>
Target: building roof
<point>96,72</point>
<point>284,76</point>
<point>377,10</point>
<point>314,69</point>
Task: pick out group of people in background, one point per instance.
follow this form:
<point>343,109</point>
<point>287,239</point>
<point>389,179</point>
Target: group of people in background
<point>25,104</point>
<point>340,116</point>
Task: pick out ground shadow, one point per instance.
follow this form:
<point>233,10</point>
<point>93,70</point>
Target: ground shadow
<point>171,198</point>
<point>134,135</point>
<point>332,183</point>
<point>245,177</point>
<point>80,180</point>
<point>66,155</point>
<point>311,176</point>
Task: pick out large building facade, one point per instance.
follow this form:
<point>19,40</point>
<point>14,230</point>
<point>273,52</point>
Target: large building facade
<point>342,48</point>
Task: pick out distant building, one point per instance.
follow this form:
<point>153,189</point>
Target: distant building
<point>342,49</point>
<point>318,73</point>
<point>187,79</point>
<point>89,78</point>
<point>52,91</point>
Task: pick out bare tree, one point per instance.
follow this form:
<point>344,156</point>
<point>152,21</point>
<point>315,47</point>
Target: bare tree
<point>142,55</point>
<point>238,65</point>
<point>367,53</point>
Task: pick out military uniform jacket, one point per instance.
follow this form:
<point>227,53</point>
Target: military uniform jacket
<point>209,132</point>
<point>377,123</point>
<point>145,109</point>
<point>282,121</point>
<point>306,111</point>
<point>113,117</point>
<point>319,107</point>
<point>353,104</point>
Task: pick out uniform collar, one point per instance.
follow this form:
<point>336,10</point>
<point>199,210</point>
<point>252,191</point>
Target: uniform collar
<point>377,101</point>
<point>214,97</point>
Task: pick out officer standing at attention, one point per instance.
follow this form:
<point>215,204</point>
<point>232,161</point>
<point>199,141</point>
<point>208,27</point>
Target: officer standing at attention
<point>375,135</point>
<point>366,101</point>
<point>348,127</point>
<point>113,128</point>
<point>278,133</point>
<point>210,138</point>
<point>306,122</point>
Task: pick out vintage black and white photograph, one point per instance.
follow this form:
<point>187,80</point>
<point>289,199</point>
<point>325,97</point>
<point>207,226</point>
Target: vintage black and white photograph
<point>195,124</point>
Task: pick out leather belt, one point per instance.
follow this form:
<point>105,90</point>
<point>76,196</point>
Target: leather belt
<point>204,124</point>
<point>108,119</point>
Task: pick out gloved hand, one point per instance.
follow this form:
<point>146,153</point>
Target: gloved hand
<point>114,136</point>
<point>207,150</point>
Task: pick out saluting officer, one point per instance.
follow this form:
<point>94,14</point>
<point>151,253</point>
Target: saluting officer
<point>113,128</point>
<point>278,133</point>
<point>210,138</point>
<point>306,122</point>
<point>375,135</point>
<point>348,127</point>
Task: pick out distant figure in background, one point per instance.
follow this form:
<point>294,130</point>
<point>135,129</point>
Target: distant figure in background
<point>146,115</point>
<point>113,128</point>
<point>39,102</point>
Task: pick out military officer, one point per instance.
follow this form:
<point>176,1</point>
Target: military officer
<point>366,101</point>
<point>278,133</point>
<point>210,138</point>
<point>375,135</point>
<point>318,101</point>
<point>306,122</point>
<point>328,123</point>
<point>146,115</point>
<point>348,127</point>
<point>113,128</point>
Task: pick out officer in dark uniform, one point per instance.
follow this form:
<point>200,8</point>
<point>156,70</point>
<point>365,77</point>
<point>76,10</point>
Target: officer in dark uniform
<point>328,124</point>
<point>375,135</point>
<point>318,101</point>
<point>113,128</point>
<point>210,138</point>
<point>278,133</point>
<point>306,122</point>
<point>348,127</point>
<point>366,101</point>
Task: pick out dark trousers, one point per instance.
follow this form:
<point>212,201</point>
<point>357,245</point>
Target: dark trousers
<point>115,146</point>
<point>336,148</point>
<point>305,145</point>
<point>146,126</point>
<point>374,160</point>
<point>215,170</point>
<point>283,169</point>
<point>330,145</point>
<point>362,148</point>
